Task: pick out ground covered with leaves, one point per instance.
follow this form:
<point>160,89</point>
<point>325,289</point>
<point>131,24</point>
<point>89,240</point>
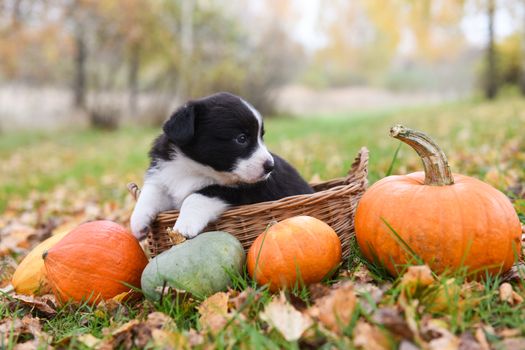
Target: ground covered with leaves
<point>52,182</point>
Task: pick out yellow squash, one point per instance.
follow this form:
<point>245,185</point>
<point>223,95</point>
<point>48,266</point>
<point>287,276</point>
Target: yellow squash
<point>30,276</point>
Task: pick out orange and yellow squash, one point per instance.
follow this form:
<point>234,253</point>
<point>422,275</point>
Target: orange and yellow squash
<point>96,260</point>
<point>30,276</point>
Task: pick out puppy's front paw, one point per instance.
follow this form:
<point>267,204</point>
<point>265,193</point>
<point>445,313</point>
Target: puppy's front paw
<point>139,223</point>
<point>188,228</point>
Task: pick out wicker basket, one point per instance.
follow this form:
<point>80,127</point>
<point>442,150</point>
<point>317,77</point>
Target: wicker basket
<point>333,202</point>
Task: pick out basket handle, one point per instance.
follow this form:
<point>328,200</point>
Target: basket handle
<point>359,170</point>
<point>134,190</point>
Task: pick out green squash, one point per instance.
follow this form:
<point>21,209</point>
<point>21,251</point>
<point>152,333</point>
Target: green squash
<point>201,266</point>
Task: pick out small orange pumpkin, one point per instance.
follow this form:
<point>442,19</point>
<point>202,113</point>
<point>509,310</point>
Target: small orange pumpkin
<point>301,249</point>
<point>96,260</point>
<point>448,220</point>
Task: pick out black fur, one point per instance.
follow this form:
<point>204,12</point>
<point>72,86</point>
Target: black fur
<point>206,130</point>
<point>180,128</point>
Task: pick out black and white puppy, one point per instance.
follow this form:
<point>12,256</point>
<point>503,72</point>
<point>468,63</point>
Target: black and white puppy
<point>211,155</point>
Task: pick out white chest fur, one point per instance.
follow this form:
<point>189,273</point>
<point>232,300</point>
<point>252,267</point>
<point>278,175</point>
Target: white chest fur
<point>183,176</point>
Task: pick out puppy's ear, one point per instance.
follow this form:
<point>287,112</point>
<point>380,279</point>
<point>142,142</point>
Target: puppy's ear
<point>180,128</point>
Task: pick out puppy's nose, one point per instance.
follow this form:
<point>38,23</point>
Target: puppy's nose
<point>268,166</point>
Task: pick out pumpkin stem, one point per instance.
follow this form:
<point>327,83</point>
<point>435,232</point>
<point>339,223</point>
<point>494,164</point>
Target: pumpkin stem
<point>435,163</point>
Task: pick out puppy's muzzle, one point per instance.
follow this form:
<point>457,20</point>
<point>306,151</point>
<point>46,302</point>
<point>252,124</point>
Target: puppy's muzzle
<point>268,166</point>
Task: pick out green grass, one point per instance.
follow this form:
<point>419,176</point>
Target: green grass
<point>481,139</point>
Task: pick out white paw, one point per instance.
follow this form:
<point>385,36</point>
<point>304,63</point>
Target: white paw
<point>140,222</point>
<point>196,213</point>
<point>189,227</point>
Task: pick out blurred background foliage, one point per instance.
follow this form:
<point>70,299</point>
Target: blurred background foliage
<point>101,62</point>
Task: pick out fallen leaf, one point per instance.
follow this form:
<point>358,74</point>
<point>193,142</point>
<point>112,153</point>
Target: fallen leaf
<point>446,297</point>
<point>369,337</point>
<point>214,312</point>
<point>244,301</point>
<point>28,327</point>
<point>318,290</point>
<point>122,297</point>
<point>159,320</point>
<point>195,338</point>
<point>15,238</point>
<point>7,269</point>
<point>126,327</point>
<point>467,341</point>
<point>509,333</point>
<point>416,277</point>
<point>515,274</point>
<point>516,298</point>
<point>513,343</point>
<point>335,310</point>
<point>392,319</point>
<point>444,343</point>
<point>28,345</point>
<point>168,340</point>
<point>507,294</point>
<point>137,334</point>
<point>362,275</point>
<point>88,340</point>
<point>43,305</point>
<point>482,339</point>
<point>370,295</point>
<point>282,316</point>
<point>439,337</point>
<point>406,345</point>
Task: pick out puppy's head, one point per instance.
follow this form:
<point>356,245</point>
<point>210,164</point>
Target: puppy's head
<point>224,132</point>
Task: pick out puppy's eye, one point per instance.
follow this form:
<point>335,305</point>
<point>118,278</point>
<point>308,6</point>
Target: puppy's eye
<point>242,139</point>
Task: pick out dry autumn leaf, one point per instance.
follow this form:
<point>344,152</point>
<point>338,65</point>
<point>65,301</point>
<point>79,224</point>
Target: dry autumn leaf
<point>137,333</point>
<point>507,294</point>
<point>282,316</point>
<point>392,319</point>
<point>482,340</point>
<point>13,330</point>
<point>416,277</point>
<point>44,305</point>
<point>214,312</point>
<point>334,311</point>
<point>467,341</point>
<point>370,337</point>
<point>513,343</point>
<point>244,301</point>
<point>89,340</point>
<point>439,337</point>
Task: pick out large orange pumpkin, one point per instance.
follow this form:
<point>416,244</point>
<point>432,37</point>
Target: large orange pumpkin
<point>448,220</point>
<point>298,250</point>
<point>96,260</point>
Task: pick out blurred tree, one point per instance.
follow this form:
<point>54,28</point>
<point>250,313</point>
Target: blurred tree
<point>167,51</point>
<point>522,75</point>
<point>491,84</point>
<point>26,37</point>
<point>365,36</point>
<point>510,58</point>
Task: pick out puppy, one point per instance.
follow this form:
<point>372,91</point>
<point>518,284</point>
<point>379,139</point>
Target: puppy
<point>211,155</point>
